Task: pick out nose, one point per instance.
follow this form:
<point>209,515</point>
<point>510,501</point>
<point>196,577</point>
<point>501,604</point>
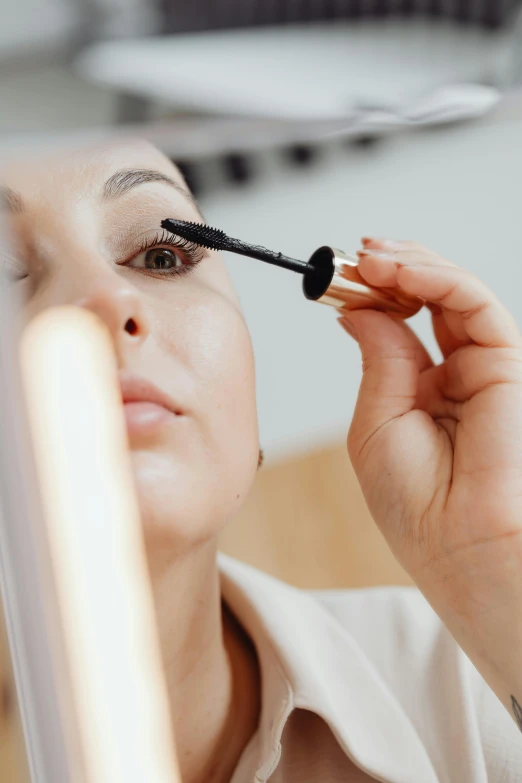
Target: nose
<point>119,305</point>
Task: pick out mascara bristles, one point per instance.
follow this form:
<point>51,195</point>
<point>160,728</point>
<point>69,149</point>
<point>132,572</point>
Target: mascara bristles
<point>199,233</point>
<point>215,239</point>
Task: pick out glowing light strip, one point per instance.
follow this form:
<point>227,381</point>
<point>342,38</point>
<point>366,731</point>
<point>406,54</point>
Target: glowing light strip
<point>95,534</point>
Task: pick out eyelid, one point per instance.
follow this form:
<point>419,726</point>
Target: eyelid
<point>189,253</point>
<point>13,267</point>
<point>157,237</point>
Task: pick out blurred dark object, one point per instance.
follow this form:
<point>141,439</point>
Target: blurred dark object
<point>238,167</point>
<point>364,141</point>
<point>199,15</point>
<point>302,154</point>
<point>190,174</point>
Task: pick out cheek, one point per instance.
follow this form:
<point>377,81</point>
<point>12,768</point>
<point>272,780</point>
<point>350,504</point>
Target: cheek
<point>222,358</point>
<point>206,479</point>
<point>213,342</point>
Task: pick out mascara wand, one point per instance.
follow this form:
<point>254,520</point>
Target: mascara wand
<point>330,276</point>
<point>215,239</point>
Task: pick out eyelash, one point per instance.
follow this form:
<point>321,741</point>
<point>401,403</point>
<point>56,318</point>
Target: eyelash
<point>193,255</point>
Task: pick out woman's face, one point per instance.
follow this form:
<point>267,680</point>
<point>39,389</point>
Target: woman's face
<point>87,229</point>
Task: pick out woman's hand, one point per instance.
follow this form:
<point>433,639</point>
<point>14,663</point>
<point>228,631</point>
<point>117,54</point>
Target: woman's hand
<point>438,451</point>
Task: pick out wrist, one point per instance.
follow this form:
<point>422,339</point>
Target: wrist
<point>478,596</point>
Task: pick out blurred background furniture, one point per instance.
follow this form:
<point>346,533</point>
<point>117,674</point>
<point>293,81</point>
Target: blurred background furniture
<point>207,15</point>
<point>304,59</point>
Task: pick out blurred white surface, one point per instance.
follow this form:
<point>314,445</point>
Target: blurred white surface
<point>30,26</point>
<point>305,71</point>
<point>50,99</point>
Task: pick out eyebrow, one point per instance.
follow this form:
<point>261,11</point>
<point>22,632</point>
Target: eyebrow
<point>10,200</point>
<point>122,181</point>
<point>116,186</point>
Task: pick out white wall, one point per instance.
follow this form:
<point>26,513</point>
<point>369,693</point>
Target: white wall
<point>51,98</point>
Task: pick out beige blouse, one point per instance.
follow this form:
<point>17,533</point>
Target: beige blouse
<point>363,685</point>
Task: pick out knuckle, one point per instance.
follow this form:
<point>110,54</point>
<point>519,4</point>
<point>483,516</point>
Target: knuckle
<point>480,307</point>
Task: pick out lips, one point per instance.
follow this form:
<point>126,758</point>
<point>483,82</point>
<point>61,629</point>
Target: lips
<point>135,389</point>
<point>148,410</point>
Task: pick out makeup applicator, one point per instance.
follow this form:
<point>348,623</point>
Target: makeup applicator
<point>330,276</point>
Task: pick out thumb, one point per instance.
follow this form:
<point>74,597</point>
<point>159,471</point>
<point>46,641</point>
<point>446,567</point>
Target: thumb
<point>392,358</point>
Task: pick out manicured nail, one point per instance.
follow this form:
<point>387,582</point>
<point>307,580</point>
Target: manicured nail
<point>393,244</point>
<point>349,327</point>
<point>383,254</point>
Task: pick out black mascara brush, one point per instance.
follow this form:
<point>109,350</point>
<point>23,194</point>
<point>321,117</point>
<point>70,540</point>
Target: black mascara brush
<point>215,239</point>
<point>330,276</point>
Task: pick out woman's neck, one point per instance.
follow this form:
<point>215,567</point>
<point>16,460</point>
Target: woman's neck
<point>211,667</point>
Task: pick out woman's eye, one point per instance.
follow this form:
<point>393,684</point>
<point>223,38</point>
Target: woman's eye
<point>13,270</point>
<point>159,258</point>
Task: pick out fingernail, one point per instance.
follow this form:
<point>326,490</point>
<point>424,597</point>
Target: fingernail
<point>393,244</point>
<point>383,254</point>
<point>349,327</point>
<point>381,241</point>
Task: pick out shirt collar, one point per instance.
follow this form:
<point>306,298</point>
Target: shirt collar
<point>317,665</point>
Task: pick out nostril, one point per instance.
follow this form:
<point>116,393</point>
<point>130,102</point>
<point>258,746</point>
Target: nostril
<point>131,326</point>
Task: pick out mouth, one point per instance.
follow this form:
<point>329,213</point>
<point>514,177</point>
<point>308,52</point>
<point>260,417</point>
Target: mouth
<point>146,407</point>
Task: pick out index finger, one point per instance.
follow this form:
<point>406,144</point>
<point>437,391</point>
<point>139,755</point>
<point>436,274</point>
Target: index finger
<point>485,319</point>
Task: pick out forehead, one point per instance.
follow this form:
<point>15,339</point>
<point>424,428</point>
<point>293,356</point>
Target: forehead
<point>82,171</point>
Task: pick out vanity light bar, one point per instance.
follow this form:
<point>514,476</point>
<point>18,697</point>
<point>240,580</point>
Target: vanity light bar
<point>95,539</point>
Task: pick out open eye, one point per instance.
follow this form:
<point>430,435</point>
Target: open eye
<point>157,258</point>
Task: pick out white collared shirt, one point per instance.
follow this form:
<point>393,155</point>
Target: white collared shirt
<point>362,685</point>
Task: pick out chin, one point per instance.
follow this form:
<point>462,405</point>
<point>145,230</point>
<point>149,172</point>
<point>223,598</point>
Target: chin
<point>184,504</point>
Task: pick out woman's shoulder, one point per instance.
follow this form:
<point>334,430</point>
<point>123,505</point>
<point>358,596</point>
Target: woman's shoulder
<point>399,612</point>
<point>388,623</point>
<point>385,646</point>
<point>427,671</point>
<point>402,601</point>
<point>422,664</point>
<point>397,630</point>
<point>394,627</point>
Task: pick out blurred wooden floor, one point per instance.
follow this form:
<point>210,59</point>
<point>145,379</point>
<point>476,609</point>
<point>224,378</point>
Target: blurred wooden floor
<point>305,521</point>
<point>13,767</point>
